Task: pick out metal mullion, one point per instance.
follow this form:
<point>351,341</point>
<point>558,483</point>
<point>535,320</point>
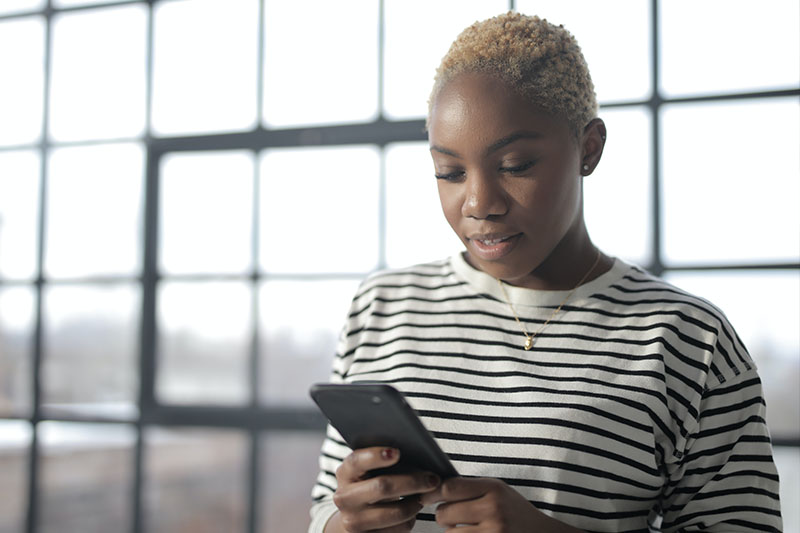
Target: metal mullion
<point>148,286</point>
<point>656,266</point>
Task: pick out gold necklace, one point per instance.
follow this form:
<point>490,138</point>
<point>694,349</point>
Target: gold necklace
<point>528,337</point>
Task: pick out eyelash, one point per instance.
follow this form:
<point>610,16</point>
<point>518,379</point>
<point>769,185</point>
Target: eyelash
<point>452,176</point>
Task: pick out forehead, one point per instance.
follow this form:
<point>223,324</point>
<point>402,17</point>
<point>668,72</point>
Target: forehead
<point>482,108</point>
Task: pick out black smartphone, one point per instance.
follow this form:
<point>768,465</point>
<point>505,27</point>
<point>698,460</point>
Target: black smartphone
<point>376,414</point>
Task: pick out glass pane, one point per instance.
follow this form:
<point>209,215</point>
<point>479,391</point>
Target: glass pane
<point>417,35</point>
<point>19,6</point>
<point>206,212</point>
<point>91,339</point>
<point>205,60</point>
<point>288,471</point>
<point>299,324</point>
<point>17,309</point>
<point>764,307</point>
<point>341,57</point>
<point>730,179</point>
<point>729,45</point>
<point>19,213</point>
<point>416,230</point>
<point>98,90</point>
<point>319,209</point>
<point>94,205</point>
<point>15,441</point>
<point>86,477</point>
<point>787,459</point>
<point>195,480</point>
<point>614,36</point>
<point>22,93</point>
<point>204,339</point>
<point>618,207</point>
<point>77,3</point>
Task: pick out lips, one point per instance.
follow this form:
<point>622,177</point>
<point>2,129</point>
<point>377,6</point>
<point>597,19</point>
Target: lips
<point>492,246</point>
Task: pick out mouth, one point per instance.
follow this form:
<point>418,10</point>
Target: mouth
<point>493,246</point>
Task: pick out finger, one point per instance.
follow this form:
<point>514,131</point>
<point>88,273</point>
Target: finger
<point>460,488</point>
<point>382,516</point>
<point>462,512</point>
<point>388,487</point>
<point>405,527</point>
<point>358,463</point>
<point>433,496</point>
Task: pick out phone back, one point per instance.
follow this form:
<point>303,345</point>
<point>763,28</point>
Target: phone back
<point>377,415</point>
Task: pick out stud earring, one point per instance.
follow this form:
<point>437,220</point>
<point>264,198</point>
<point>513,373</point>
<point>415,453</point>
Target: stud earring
<point>585,167</point>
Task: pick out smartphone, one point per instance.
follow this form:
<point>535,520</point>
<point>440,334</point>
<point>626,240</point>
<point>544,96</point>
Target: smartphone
<point>376,414</point>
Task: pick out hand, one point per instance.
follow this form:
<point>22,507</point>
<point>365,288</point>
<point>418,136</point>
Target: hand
<point>386,503</point>
<point>484,505</point>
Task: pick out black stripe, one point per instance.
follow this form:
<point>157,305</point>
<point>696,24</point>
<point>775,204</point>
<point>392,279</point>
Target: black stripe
<point>557,465</point>
<point>541,421</point>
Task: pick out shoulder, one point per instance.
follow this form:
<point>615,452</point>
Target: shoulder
<point>425,280</point>
<point>642,296</point>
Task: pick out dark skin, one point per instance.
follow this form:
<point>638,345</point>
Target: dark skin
<point>510,183</point>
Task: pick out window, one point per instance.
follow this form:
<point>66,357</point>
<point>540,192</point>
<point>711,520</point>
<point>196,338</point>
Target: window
<point>186,210</point>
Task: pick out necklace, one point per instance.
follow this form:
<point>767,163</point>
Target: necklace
<point>528,337</point>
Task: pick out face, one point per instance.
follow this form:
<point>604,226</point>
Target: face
<point>509,179</point>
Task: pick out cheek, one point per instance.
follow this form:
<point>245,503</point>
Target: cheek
<point>450,202</point>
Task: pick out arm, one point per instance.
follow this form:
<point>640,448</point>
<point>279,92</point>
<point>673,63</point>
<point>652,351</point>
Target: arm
<point>726,479</point>
<point>489,504</point>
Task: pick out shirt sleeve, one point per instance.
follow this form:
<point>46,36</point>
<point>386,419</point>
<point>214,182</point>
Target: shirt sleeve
<point>725,479</point>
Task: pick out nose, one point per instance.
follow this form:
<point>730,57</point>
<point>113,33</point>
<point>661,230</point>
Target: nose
<point>484,196</point>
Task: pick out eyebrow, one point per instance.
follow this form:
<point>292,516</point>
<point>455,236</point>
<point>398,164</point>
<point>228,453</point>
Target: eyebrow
<point>505,141</point>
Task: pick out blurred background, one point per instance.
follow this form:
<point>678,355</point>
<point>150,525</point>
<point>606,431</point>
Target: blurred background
<point>191,190</point>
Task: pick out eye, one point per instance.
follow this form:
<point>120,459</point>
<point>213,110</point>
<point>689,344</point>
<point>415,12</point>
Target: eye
<point>451,176</point>
<point>517,168</point>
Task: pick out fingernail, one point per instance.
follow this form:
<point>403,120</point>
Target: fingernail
<point>432,480</point>
<point>388,453</point>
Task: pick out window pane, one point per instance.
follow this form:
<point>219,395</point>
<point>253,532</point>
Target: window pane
<point>194,480</point>
<point>614,36</point>
<point>17,308</point>
<point>204,339</point>
<point>22,91</point>
<point>764,307</point>
<point>416,230</point>
<point>730,184</point>
<point>206,212</point>
<point>418,33</point>
<point>19,210</point>
<point>86,477</point>
<point>15,441</point>
<point>729,45</point>
<point>94,205</point>
<point>18,6</point>
<point>319,209</point>
<point>90,349</point>
<point>204,66</point>
<point>289,464</point>
<point>98,73</point>
<point>331,74</point>
<point>618,205</point>
<point>77,3</point>
<point>300,323</point>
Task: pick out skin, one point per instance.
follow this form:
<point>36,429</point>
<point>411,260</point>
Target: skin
<point>505,167</point>
<point>510,173</point>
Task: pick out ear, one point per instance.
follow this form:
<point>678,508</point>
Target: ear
<point>593,141</point>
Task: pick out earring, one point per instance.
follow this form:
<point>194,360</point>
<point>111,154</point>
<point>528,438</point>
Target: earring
<point>585,167</point>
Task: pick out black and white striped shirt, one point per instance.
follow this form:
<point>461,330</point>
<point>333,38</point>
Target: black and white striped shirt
<point>638,408</point>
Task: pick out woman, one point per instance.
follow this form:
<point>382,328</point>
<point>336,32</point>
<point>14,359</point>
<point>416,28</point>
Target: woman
<point>574,392</point>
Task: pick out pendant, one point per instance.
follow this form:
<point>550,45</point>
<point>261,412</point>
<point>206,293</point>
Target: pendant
<point>528,343</point>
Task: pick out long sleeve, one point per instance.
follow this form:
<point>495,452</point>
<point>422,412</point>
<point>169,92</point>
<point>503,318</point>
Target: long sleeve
<point>726,479</point>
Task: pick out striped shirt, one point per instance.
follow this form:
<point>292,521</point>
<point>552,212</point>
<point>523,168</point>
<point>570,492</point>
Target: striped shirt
<point>638,408</point>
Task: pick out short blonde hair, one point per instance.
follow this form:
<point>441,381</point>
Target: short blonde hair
<point>539,60</point>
